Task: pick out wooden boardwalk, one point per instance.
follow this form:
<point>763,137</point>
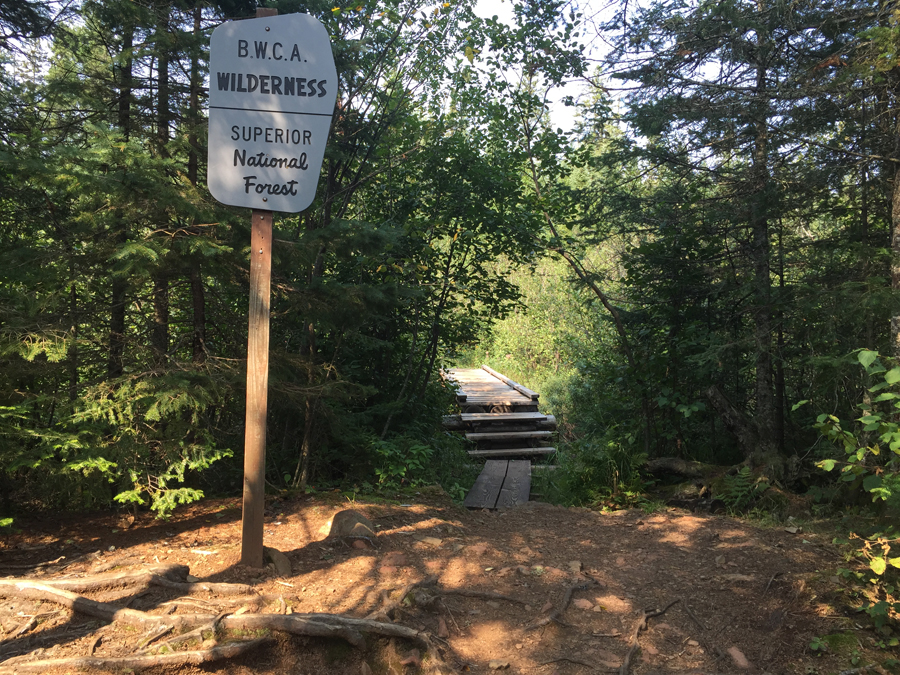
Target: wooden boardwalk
<point>501,418</point>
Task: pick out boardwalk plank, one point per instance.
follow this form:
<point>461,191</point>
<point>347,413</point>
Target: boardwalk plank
<point>511,452</point>
<point>517,485</point>
<point>504,417</point>
<point>533,395</point>
<point>486,490</point>
<point>507,435</point>
<point>497,411</point>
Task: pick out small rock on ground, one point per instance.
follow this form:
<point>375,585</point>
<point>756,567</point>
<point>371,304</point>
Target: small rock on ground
<point>442,630</point>
<point>738,657</point>
<point>413,659</point>
<point>351,523</point>
<point>280,560</point>
<point>395,559</point>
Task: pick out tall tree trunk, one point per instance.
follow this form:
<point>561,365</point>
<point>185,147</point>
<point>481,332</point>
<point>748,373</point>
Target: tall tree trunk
<point>779,355</point>
<point>73,343</point>
<point>198,301</point>
<point>760,184</point>
<point>160,337</point>
<point>163,112</point>
<point>115,364</point>
<point>126,79</point>
<point>301,475</point>
<point>895,242</point>
<point>198,296</point>
<point>194,103</point>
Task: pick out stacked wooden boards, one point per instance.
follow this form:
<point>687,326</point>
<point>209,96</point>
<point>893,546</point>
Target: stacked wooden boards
<point>501,418</point>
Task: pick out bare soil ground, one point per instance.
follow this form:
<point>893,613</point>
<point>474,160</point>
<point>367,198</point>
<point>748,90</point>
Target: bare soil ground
<point>747,599</point>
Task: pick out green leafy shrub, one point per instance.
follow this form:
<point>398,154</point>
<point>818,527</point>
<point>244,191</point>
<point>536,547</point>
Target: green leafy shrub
<point>401,461</point>
<point>601,471</point>
<point>741,490</point>
<point>866,455</point>
<point>152,433</point>
<point>871,445</point>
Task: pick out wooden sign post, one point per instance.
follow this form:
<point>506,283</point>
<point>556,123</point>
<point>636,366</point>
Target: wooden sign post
<point>273,86</point>
<point>257,389</point>
<point>254,499</point>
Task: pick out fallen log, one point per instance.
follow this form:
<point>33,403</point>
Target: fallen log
<point>680,467</point>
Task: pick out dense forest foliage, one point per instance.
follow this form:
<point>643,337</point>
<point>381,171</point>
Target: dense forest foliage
<point>705,267</point>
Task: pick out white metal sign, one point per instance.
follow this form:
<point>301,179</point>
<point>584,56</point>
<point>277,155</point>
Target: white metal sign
<point>272,90</point>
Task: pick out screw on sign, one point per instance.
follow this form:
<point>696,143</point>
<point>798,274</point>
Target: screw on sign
<point>272,92</point>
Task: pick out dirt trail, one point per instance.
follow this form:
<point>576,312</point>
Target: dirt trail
<point>748,599</point>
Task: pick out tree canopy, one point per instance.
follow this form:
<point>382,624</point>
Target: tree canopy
<point>693,270</point>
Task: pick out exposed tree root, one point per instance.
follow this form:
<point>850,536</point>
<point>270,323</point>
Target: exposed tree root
<point>155,626</point>
<point>36,590</point>
<point>641,625</point>
<point>217,653</point>
<point>390,607</point>
<point>196,634</point>
<point>33,566</point>
<point>99,582</point>
<point>563,606</point>
<point>484,595</point>
<point>710,648</point>
<point>165,576</point>
<point>572,659</point>
<point>319,625</point>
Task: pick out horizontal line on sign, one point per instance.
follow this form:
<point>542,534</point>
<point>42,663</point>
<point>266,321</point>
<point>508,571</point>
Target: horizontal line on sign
<point>286,112</point>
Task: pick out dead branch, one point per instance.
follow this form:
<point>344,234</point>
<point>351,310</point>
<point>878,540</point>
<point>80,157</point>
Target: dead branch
<point>641,625</point>
<point>153,635</point>
<point>707,645</point>
<point>196,634</point>
<point>25,627</point>
<point>93,645</point>
<point>693,616</point>
<point>774,577</point>
<point>89,663</point>
<point>563,606</point>
<point>679,467</point>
